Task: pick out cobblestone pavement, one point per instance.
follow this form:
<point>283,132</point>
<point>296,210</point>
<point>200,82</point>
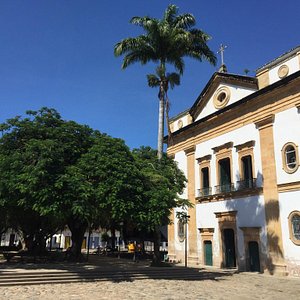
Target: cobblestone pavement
<point>222,286</point>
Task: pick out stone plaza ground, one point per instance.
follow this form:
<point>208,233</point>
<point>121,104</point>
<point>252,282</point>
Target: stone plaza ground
<point>122,279</point>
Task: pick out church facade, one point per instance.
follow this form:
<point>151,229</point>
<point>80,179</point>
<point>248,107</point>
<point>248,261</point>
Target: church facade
<point>238,147</point>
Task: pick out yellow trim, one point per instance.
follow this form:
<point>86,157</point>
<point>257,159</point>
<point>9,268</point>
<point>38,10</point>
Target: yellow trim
<point>252,234</point>
<point>192,226</point>
<point>216,99</point>
<point>227,220</point>
<point>245,114</point>
<point>207,235</point>
<point>275,259</point>
<point>246,149</point>
<point>204,162</point>
<point>263,78</point>
<point>289,187</point>
<point>283,71</point>
<point>283,156</point>
<point>222,152</point>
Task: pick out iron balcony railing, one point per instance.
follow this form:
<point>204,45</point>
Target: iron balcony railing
<point>246,184</point>
<point>204,192</point>
<point>224,188</point>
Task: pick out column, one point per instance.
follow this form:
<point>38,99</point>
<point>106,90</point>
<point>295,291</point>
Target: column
<point>275,256</point>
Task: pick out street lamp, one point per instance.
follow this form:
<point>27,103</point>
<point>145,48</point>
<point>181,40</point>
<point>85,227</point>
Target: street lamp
<point>184,219</point>
<point>120,238</point>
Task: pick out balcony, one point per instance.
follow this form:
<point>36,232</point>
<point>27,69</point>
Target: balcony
<point>224,188</point>
<point>204,192</point>
<point>242,188</point>
<point>246,184</point>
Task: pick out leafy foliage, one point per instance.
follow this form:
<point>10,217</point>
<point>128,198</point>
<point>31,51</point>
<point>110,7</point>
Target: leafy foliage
<point>165,41</point>
<point>163,183</point>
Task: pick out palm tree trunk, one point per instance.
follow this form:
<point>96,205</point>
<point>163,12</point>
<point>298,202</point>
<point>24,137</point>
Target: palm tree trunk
<point>161,118</point>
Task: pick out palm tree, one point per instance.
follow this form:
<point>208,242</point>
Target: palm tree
<point>165,41</point>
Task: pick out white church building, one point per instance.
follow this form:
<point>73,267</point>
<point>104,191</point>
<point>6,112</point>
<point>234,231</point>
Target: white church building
<point>238,147</point>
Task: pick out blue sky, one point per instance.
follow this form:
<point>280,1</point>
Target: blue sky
<point>59,54</point>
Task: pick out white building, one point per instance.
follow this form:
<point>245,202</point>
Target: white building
<point>238,147</point>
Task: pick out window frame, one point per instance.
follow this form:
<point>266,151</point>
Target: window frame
<point>291,232</point>
<point>285,166</point>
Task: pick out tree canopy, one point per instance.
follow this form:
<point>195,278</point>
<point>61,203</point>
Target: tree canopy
<point>56,172</point>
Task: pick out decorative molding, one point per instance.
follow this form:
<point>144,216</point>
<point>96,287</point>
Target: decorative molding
<point>226,215</point>
<point>221,97</point>
<point>265,122</point>
<point>289,187</point>
<point>225,147</point>
<point>283,71</point>
<point>231,121</point>
<point>179,124</point>
<point>292,238</point>
<point>190,151</point>
<point>283,156</point>
<point>206,230</point>
<point>247,145</point>
<point>205,158</point>
<point>231,195</point>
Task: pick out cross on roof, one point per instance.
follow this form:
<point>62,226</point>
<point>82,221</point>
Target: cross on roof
<point>221,51</point>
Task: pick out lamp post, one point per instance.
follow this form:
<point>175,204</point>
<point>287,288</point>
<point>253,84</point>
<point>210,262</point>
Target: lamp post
<point>184,219</point>
<point>120,238</point>
<point>185,245</point>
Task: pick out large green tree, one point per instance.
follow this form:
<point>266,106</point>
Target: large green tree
<point>56,172</point>
<point>35,153</point>
<point>163,183</point>
<point>165,41</point>
<point>106,184</point>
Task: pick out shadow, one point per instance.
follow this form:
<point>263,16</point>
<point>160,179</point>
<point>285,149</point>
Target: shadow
<point>100,269</point>
<point>254,212</point>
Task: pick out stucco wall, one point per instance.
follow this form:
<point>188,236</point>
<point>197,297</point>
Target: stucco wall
<point>289,202</point>
<point>236,92</point>
<point>293,65</point>
<point>286,129</point>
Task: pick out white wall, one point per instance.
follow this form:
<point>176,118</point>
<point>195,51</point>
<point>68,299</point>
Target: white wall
<point>237,93</point>
<point>250,213</point>
<point>185,122</point>
<point>289,201</point>
<point>293,65</point>
<point>238,136</point>
<point>286,129</point>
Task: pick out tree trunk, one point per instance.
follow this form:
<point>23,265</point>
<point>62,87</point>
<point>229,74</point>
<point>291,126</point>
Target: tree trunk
<point>156,255</point>
<point>113,238</point>
<point>77,229</point>
<point>161,118</point>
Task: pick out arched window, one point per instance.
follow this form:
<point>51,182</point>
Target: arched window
<point>294,227</point>
<point>290,157</point>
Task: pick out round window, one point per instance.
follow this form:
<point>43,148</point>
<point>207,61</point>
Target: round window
<point>221,97</point>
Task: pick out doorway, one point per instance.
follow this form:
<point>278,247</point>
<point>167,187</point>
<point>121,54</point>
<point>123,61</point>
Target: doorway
<point>208,257</point>
<point>229,248</point>
<point>254,261</point>
<point>12,239</point>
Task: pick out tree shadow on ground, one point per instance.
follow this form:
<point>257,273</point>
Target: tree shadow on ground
<point>101,269</point>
